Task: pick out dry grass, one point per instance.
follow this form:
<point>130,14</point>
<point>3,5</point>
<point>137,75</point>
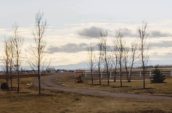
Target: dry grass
<point>73,103</point>
<point>57,102</point>
<point>129,87</point>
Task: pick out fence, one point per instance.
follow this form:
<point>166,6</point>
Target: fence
<point>136,74</point>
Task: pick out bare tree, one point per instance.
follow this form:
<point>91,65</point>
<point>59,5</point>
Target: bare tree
<point>111,63</point>
<point>133,58</point>
<point>126,61</point>
<point>115,66</point>
<point>11,60</point>
<point>38,52</point>
<point>17,44</point>
<point>120,53</point>
<point>106,59</point>
<point>91,62</point>
<point>6,60</point>
<point>100,56</point>
<point>142,31</point>
<point>115,56</point>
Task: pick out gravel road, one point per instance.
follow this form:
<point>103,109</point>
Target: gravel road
<point>48,82</point>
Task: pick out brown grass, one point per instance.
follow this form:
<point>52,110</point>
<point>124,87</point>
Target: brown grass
<point>72,103</point>
<point>128,87</point>
<point>57,102</point>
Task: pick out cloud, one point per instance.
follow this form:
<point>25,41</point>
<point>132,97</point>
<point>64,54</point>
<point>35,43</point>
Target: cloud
<point>128,33</point>
<point>152,34</point>
<point>161,44</point>
<point>68,48</point>
<point>95,32</point>
<point>159,34</point>
<point>74,48</point>
<point>92,32</point>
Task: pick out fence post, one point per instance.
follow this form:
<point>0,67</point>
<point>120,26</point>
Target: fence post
<point>171,73</point>
<point>85,73</point>
<point>110,74</point>
<point>150,73</point>
<point>140,73</point>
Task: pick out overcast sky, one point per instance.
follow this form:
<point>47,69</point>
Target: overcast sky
<point>62,12</point>
<point>73,24</point>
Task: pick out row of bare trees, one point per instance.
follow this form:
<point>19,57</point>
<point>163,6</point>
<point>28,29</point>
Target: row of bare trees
<point>119,57</point>
<point>13,48</point>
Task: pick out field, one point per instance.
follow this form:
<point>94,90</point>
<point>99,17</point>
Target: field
<point>128,87</point>
<point>72,103</point>
<point>59,102</point>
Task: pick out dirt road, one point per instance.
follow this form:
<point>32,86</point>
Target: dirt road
<point>49,82</point>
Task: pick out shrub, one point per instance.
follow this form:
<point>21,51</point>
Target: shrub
<point>79,79</point>
<point>4,86</point>
<point>157,76</point>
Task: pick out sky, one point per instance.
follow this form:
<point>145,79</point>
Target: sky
<point>73,24</point>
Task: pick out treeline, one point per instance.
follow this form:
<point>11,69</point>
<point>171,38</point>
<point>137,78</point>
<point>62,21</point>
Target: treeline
<point>119,56</point>
<point>13,53</point>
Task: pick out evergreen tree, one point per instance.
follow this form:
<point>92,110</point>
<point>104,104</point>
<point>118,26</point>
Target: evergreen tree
<point>157,77</point>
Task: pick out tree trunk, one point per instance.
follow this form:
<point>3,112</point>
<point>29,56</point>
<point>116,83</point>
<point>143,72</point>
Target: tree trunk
<point>18,79</point>
<point>108,78</point>
<point>130,73</point>
<point>120,74</point>
<point>18,82</point>
<point>39,80</point>
<point>143,74</point>
<point>100,82</point>
<point>92,80</point>
<point>114,78</point>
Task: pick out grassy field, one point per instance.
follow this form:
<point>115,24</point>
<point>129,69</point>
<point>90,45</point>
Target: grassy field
<point>72,103</point>
<point>51,102</point>
<point>57,102</point>
<point>129,87</point>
